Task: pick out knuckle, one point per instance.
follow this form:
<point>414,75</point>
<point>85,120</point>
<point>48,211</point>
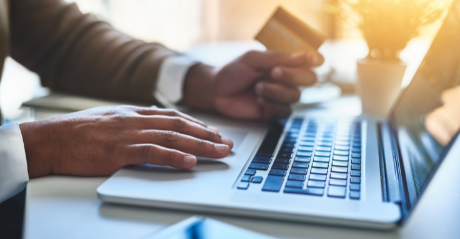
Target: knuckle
<point>249,54</point>
<point>146,151</point>
<point>179,122</point>
<point>169,135</point>
<point>202,145</point>
<point>211,134</point>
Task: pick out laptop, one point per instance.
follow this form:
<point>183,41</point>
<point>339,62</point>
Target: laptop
<point>319,166</point>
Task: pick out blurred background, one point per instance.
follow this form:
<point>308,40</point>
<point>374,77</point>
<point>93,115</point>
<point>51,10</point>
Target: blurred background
<point>224,29</point>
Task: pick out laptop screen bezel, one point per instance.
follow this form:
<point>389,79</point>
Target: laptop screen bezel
<point>411,203</point>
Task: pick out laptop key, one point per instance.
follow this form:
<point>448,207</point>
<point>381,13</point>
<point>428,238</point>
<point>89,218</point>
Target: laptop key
<point>243,185</point>
<point>354,195</point>
<point>250,172</point>
<point>259,166</point>
<point>288,145</point>
<point>335,191</point>
<point>355,173</point>
<point>283,160</point>
<point>297,177</point>
<point>339,175</point>
<point>273,183</point>
<point>323,154</point>
<point>358,156</point>
<point>355,180</point>
<point>356,161</point>
<point>356,167</point>
<point>340,163</point>
<point>342,143</point>
<point>307,144</point>
<point>340,147</point>
<point>356,150</point>
<point>308,191</point>
<point>304,154</point>
<point>299,170</point>
<point>294,184</point>
<point>299,165</point>
<point>341,158</point>
<point>280,166</point>
<point>277,172</point>
<point>325,149</point>
<point>302,159</point>
<point>316,184</point>
<point>306,149</point>
<point>261,159</point>
<point>321,159</point>
<point>284,155</point>
<point>257,179</point>
<point>324,144</point>
<point>318,177</point>
<point>319,170</point>
<point>320,165</point>
<point>340,152</point>
<point>246,178</point>
<point>286,150</point>
<point>339,169</point>
<point>355,187</point>
<point>338,182</point>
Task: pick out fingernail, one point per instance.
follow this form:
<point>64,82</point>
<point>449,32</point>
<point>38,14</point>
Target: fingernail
<point>277,73</point>
<point>213,129</point>
<point>226,141</point>
<point>189,160</point>
<point>313,58</point>
<point>298,54</point>
<point>260,88</point>
<point>221,147</point>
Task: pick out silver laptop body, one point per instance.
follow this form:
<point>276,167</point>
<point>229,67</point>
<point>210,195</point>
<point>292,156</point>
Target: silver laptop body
<point>318,166</point>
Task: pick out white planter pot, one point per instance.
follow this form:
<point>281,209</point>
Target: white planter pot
<point>379,83</point>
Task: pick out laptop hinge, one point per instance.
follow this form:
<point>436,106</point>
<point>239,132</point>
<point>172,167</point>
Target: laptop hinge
<point>389,172</point>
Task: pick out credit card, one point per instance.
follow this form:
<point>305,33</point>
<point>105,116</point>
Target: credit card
<point>285,33</point>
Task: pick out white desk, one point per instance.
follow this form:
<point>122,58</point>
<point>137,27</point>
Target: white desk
<point>68,207</point>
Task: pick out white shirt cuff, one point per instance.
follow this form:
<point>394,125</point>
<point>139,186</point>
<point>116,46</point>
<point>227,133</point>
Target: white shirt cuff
<point>13,162</point>
<point>171,79</point>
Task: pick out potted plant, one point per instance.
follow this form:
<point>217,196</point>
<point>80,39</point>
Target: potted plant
<point>387,26</point>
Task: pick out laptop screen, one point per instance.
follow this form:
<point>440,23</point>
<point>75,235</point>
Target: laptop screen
<point>427,115</point>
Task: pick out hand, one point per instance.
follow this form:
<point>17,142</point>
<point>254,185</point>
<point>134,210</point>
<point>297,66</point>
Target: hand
<point>257,85</point>
<point>102,140</point>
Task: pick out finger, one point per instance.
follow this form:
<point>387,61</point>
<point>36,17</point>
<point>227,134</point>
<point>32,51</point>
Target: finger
<point>158,155</point>
<point>168,112</point>
<point>277,92</point>
<point>294,76</point>
<point>183,126</point>
<point>183,143</point>
<point>314,58</point>
<point>271,110</point>
<point>267,60</point>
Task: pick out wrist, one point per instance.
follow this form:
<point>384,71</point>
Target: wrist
<point>199,87</point>
<point>38,164</point>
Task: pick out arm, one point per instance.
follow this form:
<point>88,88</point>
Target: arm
<point>77,53</point>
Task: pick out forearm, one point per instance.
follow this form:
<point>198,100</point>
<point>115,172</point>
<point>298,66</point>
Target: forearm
<point>77,53</point>
<point>199,87</point>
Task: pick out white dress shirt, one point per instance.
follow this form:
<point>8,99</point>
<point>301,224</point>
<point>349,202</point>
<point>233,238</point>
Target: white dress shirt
<point>13,163</point>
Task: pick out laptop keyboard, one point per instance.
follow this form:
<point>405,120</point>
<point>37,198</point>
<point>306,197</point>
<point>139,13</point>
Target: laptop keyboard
<point>315,159</point>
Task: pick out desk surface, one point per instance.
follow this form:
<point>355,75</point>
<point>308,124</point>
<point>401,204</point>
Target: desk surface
<point>68,207</point>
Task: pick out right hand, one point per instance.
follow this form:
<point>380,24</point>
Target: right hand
<point>102,140</point>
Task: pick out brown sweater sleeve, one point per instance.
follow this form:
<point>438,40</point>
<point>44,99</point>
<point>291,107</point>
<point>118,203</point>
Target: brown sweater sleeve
<point>76,53</point>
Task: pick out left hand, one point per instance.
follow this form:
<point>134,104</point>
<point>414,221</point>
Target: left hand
<point>257,85</point>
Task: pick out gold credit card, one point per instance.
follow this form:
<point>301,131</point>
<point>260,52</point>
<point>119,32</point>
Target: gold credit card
<point>285,33</point>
